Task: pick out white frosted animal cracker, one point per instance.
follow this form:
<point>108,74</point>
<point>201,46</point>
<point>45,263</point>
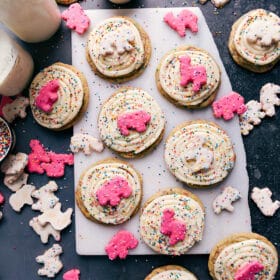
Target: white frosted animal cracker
<point>262,197</point>
<point>85,143</point>
<point>216,3</point>
<point>21,197</point>
<point>14,164</point>
<point>44,231</point>
<point>268,98</point>
<point>46,197</point>
<point>225,199</point>
<point>14,185</point>
<point>51,261</point>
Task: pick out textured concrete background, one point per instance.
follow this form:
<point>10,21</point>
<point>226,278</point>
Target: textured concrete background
<point>20,245</point>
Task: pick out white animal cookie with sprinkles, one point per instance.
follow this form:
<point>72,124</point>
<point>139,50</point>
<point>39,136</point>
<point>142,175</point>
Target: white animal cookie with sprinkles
<point>268,98</point>
<point>216,3</point>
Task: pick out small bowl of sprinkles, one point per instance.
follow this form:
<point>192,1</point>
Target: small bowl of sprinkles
<point>7,139</point>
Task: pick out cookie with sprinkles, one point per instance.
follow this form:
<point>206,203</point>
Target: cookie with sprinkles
<point>188,76</point>
<point>59,96</point>
<point>170,272</point>
<point>199,153</point>
<point>131,122</point>
<point>243,256</point>
<point>118,49</point>
<point>109,192</point>
<point>172,221</point>
<point>254,41</point>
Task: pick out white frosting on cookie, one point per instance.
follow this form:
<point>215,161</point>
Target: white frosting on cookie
<point>128,100</point>
<point>238,254</point>
<point>217,142</point>
<point>115,47</point>
<point>169,77</point>
<point>174,275</point>
<point>257,37</point>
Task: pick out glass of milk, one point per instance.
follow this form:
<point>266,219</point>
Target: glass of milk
<point>16,66</point>
<point>31,20</point>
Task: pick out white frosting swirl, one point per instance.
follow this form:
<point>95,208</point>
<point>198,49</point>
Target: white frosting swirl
<point>95,177</point>
<point>216,142</point>
<point>174,275</point>
<point>238,254</point>
<point>116,63</point>
<point>169,76</point>
<point>257,37</point>
<point>186,209</point>
<point>128,100</point>
<point>70,96</point>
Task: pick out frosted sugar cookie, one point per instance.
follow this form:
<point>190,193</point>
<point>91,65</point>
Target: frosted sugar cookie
<point>199,153</point>
<point>59,96</point>
<point>188,76</point>
<point>172,221</point>
<point>254,41</point>
<point>131,122</point>
<point>243,256</point>
<point>170,272</point>
<point>118,49</point>
<point>109,192</point>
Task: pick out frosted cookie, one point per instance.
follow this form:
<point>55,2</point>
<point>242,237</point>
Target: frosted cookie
<point>199,153</point>
<point>118,49</point>
<point>254,41</point>
<point>131,122</point>
<point>243,256</point>
<point>65,2</point>
<point>172,221</point>
<point>109,192</point>
<point>170,272</point>
<point>188,76</point>
<point>59,96</point>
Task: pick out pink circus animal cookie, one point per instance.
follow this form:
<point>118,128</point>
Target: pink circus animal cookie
<point>174,228</point>
<point>47,96</point>
<point>185,19</point>
<point>228,105</point>
<point>248,271</point>
<point>192,74</point>
<point>113,191</point>
<point>4,101</point>
<point>2,199</point>
<point>120,244</point>
<point>76,18</point>
<point>137,120</point>
<point>73,274</point>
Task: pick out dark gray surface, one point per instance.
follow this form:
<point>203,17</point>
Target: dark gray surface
<point>20,245</point>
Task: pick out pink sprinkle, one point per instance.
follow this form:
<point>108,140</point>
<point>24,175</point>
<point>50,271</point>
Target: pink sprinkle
<point>73,274</point>
<point>175,229</point>
<point>2,199</point>
<point>248,271</point>
<point>195,74</point>
<point>119,245</point>
<point>185,19</point>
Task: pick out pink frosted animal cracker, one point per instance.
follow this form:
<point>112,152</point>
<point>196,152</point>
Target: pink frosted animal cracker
<point>47,96</point>
<point>248,271</point>
<point>4,101</point>
<point>120,244</point>
<point>228,105</point>
<point>262,197</point>
<point>268,98</point>
<point>76,18</point>
<point>2,199</point>
<point>137,120</point>
<point>73,274</point>
<point>174,228</point>
<point>113,191</point>
<point>185,19</point>
<point>15,109</point>
<point>192,74</point>
<point>51,261</point>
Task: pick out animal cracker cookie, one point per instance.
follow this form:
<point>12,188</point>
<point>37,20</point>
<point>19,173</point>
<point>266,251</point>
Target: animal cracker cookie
<point>50,260</point>
<point>2,199</point>
<point>14,164</point>
<point>15,109</point>
<point>14,185</point>
<point>248,271</point>
<point>44,231</point>
<point>59,220</point>
<point>73,274</point>
<point>268,98</point>
<point>228,105</point>
<point>85,143</point>
<point>251,117</point>
<point>225,200</point>
<point>4,101</point>
<point>185,19</point>
<point>21,197</point>
<point>46,197</point>
<point>216,3</point>
<point>120,244</point>
<point>262,197</point>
